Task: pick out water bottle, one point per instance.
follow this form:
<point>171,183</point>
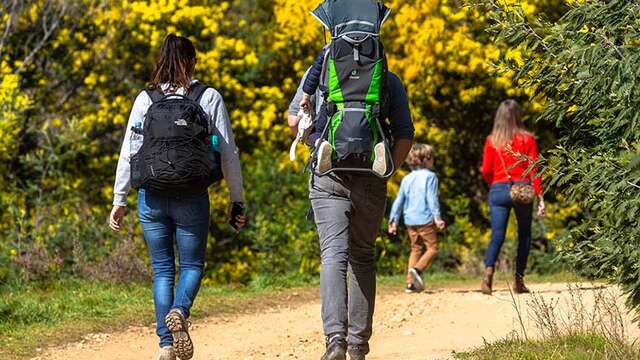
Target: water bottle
<point>215,143</point>
<point>136,138</point>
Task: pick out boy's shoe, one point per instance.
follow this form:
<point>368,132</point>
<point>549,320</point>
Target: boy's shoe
<point>410,289</point>
<point>167,353</point>
<point>380,162</point>
<point>358,352</point>
<point>179,328</point>
<point>417,280</point>
<point>325,152</point>
<point>336,348</point>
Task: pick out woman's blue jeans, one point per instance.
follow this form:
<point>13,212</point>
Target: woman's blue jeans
<point>500,206</point>
<point>187,221</point>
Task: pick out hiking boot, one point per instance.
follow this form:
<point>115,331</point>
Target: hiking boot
<point>325,152</point>
<point>518,285</point>
<point>417,283</point>
<point>487,281</point>
<point>410,289</point>
<point>336,348</point>
<point>358,352</point>
<point>166,353</point>
<point>380,162</point>
<point>179,328</point>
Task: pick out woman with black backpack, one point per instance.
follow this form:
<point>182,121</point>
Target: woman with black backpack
<point>178,142</point>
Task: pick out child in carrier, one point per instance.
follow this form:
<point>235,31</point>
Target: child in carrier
<point>350,35</point>
<point>417,201</point>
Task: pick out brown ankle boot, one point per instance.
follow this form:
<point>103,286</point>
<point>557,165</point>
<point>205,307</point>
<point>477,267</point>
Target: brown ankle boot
<point>487,281</point>
<point>518,285</point>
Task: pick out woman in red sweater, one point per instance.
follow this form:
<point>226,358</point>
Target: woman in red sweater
<point>508,154</point>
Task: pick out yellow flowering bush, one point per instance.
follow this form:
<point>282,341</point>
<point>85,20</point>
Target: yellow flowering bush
<point>79,86</point>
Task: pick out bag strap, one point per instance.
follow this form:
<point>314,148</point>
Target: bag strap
<point>196,91</point>
<point>504,165</point>
<point>155,94</point>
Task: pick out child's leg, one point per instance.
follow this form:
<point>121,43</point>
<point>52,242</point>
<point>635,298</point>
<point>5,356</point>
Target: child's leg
<point>416,250</point>
<point>428,236</point>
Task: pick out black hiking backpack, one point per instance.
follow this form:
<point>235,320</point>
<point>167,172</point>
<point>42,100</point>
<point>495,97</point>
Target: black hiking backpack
<point>176,159</point>
<point>354,81</point>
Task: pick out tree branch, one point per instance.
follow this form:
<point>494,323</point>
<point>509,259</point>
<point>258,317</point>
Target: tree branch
<point>7,28</point>
<point>48,30</point>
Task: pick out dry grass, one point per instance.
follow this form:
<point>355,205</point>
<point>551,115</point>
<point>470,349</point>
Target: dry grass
<point>573,327</point>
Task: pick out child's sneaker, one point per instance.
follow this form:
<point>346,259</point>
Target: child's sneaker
<point>325,152</point>
<point>410,289</point>
<point>380,161</point>
<point>179,328</point>
<point>418,284</point>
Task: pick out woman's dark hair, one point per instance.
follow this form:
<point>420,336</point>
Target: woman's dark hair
<point>176,63</point>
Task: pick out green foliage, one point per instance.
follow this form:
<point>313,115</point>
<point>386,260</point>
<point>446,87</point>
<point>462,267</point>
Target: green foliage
<point>279,239</point>
<point>585,65</point>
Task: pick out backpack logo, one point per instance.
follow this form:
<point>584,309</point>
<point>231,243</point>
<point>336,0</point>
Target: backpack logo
<point>181,122</point>
<point>354,75</point>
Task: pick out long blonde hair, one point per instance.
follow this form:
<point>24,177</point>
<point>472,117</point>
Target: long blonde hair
<point>507,123</point>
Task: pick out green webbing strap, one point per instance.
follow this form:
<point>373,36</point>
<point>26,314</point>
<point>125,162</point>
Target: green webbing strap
<point>335,91</point>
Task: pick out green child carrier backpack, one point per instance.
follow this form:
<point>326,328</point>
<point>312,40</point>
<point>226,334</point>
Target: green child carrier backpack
<point>354,83</point>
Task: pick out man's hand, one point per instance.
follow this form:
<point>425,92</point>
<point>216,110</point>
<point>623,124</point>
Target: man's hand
<point>440,224</point>
<point>542,210</point>
<point>115,219</point>
<point>293,120</point>
<point>393,228</point>
<point>305,102</point>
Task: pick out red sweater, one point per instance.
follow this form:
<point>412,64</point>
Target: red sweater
<point>522,144</point>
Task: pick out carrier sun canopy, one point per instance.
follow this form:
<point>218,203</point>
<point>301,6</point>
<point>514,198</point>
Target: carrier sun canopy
<point>342,17</point>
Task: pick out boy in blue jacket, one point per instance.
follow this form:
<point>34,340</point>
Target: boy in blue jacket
<point>417,201</point>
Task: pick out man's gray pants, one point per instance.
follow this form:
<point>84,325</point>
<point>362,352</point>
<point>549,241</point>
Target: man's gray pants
<point>348,210</point>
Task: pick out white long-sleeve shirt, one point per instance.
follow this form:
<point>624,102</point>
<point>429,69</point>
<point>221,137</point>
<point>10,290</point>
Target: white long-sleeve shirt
<point>213,105</point>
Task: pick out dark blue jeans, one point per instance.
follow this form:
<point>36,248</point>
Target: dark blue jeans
<point>500,206</point>
<point>186,221</point>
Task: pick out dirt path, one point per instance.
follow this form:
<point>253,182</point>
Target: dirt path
<point>407,327</point>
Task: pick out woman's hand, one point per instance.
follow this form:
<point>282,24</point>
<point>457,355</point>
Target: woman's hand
<point>115,219</point>
<point>240,220</point>
<point>541,207</point>
<point>393,228</point>
<point>440,224</point>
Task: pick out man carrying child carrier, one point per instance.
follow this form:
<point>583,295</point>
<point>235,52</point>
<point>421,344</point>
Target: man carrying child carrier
<point>364,106</point>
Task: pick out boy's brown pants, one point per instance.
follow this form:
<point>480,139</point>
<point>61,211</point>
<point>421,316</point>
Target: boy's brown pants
<point>419,235</point>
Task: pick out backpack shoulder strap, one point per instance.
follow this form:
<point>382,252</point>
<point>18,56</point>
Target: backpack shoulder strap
<point>324,75</point>
<point>196,91</point>
<point>155,94</point>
